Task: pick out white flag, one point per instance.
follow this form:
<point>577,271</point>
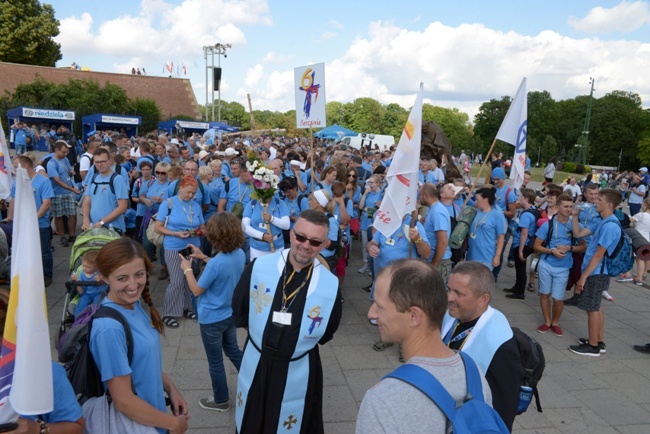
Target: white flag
<point>514,130</point>
<point>5,166</point>
<point>401,193</point>
<point>32,389</point>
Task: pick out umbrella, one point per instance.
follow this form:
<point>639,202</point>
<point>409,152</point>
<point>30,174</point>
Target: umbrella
<point>333,132</point>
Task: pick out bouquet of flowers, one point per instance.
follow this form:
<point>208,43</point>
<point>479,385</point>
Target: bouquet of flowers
<point>265,184</point>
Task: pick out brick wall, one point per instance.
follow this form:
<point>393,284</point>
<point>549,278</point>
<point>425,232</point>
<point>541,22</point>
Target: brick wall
<point>174,96</point>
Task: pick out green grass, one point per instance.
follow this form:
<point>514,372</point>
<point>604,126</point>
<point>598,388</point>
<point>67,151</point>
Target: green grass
<point>536,172</point>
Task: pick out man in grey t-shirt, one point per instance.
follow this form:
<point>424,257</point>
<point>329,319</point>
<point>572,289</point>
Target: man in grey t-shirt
<point>410,303</point>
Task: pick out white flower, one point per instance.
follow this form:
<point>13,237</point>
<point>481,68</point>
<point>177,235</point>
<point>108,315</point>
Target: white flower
<point>258,177</point>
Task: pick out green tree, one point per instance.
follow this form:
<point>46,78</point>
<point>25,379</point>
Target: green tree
<point>26,32</point>
<point>487,122</point>
<point>234,113</point>
<point>364,115</point>
<point>453,123</point>
<point>149,111</point>
<point>334,113</point>
<point>395,117</point>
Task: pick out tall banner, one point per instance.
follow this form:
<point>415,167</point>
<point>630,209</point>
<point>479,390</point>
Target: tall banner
<point>309,87</point>
<point>401,193</point>
<point>514,130</point>
<point>5,166</point>
<point>25,359</point>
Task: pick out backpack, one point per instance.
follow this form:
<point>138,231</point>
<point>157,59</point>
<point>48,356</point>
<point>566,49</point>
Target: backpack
<point>622,258</point>
<point>458,254</point>
<point>77,167</point>
<point>74,352</point>
<point>537,214</point>
<point>178,185</point>
<point>533,361</point>
<point>473,415</point>
<point>110,182</point>
<point>340,244</point>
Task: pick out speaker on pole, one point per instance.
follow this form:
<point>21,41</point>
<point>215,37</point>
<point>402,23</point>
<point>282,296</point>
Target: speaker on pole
<point>216,77</point>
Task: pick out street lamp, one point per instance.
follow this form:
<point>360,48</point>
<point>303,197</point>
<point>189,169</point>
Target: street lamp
<point>219,49</point>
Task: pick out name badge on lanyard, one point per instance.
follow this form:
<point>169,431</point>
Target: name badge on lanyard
<point>283,318</point>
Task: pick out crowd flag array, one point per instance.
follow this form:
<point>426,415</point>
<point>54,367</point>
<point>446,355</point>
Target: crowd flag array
<point>401,193</point>
<point>25,359</point>
<point>514,130</point>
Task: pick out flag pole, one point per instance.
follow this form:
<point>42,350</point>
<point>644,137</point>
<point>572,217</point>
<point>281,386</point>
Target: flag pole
<point>485,160</point>
<point>311,156</point>
<point>414,220</point>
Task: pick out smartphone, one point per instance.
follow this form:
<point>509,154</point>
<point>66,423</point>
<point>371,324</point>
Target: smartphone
<point>6,427</point>
<point>186,252</point>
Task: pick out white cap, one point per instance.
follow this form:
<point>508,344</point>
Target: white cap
<point>643,169</point>
<point>457,188</point>
<point>203,154</point>
<point>174,141</point>
<point>231,151</point>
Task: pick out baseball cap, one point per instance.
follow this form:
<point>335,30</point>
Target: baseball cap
<point>643,169</point>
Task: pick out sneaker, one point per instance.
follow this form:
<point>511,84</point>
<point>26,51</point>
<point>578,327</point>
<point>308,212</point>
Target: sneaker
<point>625,278</point>
<point>645,349</point>
<point>601,345</point>
<point>47,281</point>
<point>511,264</point>
<point>543,328</point>
<point>209,404</point>
<point>510,290</point>
<point>573,301</point>
<point>364,268</point>
<point>608,297</point>
<point>72,239</point>
<point>366,288</point>
<point>64,242</point>
<point>520,297</point>
<point>585,350</point>
<point>557,331</point>
<point>636,282</point>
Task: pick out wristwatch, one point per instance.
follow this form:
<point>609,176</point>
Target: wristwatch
<point>101,223</point>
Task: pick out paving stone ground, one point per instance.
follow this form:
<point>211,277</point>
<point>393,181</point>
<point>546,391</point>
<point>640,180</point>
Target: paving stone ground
<point>608,394</point>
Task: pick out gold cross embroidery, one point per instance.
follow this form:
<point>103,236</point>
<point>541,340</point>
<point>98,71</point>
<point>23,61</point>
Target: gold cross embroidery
<point>289,422</point>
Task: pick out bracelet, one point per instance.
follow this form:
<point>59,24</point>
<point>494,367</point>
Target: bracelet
<point>185,271</point>
<point>44,427</point>
<point>418,241</point>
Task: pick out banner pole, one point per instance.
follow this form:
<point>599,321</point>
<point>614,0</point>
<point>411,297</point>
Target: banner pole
<point>311,156</point>
<point>485,160</point>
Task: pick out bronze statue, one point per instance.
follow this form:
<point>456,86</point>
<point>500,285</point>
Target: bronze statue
<point>434,145</point>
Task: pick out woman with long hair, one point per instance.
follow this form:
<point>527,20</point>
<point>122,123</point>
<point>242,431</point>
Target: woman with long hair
<point>368,204</point>
<point>184,226</point>
<point>137,387</point>
<point>327,177</point>
<point>213,291</point>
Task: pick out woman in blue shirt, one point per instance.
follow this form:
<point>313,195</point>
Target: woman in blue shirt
<point>487,231</point>
<point>137,388</point>
<point>214,291</point>
<point>151,196</point>
<point>368,204</point>
<point>185,225</point>
<point>256,221</point>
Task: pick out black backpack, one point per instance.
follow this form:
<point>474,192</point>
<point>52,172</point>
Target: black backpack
<point>339,246</point>
<point>110,182</point>
<point>532,360</point>
<point>77,167</point>
<point>74,352</point>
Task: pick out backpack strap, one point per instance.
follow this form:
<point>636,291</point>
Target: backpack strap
<point>617,249</point>
<point>108,312</point>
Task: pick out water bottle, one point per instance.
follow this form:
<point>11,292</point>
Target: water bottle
<point>525,396</point>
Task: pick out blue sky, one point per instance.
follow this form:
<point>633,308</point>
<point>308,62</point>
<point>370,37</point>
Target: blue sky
<point>465,52</point>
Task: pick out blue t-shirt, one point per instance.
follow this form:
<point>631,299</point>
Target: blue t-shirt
<point>296,206</point>
<point>253,210</point>
<point>20,137</point>
<point>42,189</point>
<point>156,189</point>
<point>372,199</point>
<point>607,234</point>
<point>91,291</point>
<point>184,216</point>
<point>216,186</point>
<point>66,407</point>
<point>505,198</point>
<point>562,235</point>
<point>103,201</point>
<point>135,193</point>
<point>115,168</point>
<point>484,230</point>
<point>349,207</point>
<point>60,168</point>
<point>526,220</point>
<point>589,218</point>
<point>236,193</point>
<point>332,235</point>
<point>219,279</point>
<point>438,220</point>
<point>108,347</point>
<point>426,177</point>
<point>397,245</point>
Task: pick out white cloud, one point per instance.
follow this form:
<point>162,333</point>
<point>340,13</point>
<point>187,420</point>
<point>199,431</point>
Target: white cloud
<point>466,65</point>
<point>274,57</point>
<point>74,33</point>
<point>326,36</point>
<point>254,75</point>
<point>335,24</point>
<point>624,17</point>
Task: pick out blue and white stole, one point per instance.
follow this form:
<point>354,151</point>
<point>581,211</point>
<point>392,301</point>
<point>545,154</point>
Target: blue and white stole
<point>267,272</point>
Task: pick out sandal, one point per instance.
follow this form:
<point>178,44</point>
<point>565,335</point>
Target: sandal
<point>189,314</point>
<point>170,322</point>
<point>381,346</point>
<point>531,287</point>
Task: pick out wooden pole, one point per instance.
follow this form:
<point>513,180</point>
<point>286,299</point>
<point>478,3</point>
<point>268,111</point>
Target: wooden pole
<point>414,220</point>
<point>311,156</point>
<point>485,160</point>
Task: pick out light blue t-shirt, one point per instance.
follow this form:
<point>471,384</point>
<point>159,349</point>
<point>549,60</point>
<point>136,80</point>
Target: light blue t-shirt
<point>438,220</point>
<point>254,210</point>
<point>103,201</point>
<point>183,216</point>
<point>607,234</point>
<point>296,206</point>
<point>66,407</point>
<point>372,199</point>
<point>219,278</point>
<point>349,207</point>
<point>484,230</point>
<point>397,245</point>
<point>526,220</point>
<point>42,189</point>
<point>156,189</point>
<point>138,185</point>
<point>589,218</point>
<point>109,349</point>
<point>60,168</point>
<point>561,235</point>
<point>332,235</point>
<point>236,193</point>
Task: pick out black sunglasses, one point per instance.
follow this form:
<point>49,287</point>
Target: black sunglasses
<point>302,239</point>
<point>352,175</point>
<point>161,173</point>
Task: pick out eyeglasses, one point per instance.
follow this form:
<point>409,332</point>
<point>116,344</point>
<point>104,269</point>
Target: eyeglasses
<point>100,161</point>
<point>161,173</point>
<point>352,175</point>
<point>302,239</point>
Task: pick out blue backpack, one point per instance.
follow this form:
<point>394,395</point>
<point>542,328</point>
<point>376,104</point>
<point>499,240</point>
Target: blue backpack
<point>473,415</point>
<point>622,258</point>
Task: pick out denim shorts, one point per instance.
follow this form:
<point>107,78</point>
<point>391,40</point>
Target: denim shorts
<point>552,280</point>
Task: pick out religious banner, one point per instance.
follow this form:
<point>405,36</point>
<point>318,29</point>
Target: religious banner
<point>514,130</point>
<point>309,87</point>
